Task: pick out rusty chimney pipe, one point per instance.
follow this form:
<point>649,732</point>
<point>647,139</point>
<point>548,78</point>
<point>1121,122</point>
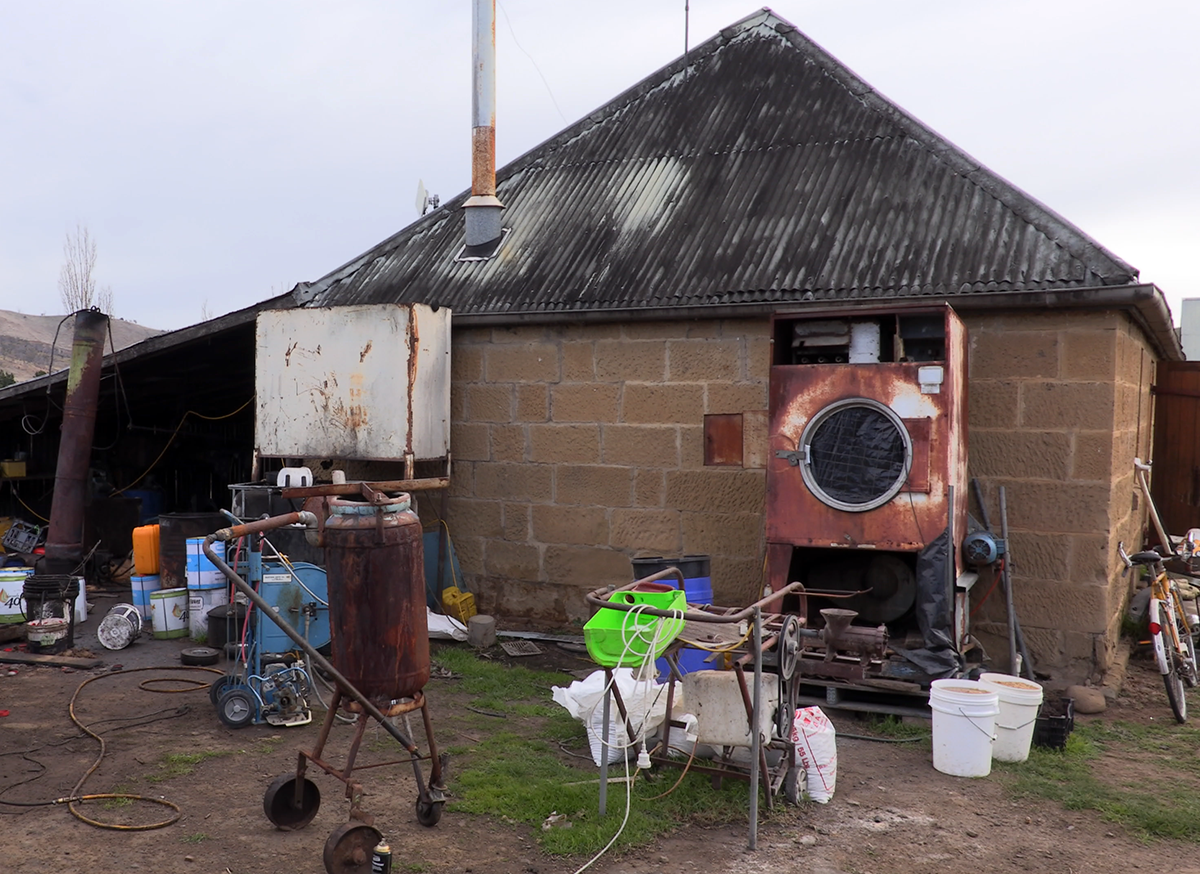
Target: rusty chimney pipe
<point>483,208</point>
<point>64,540</point>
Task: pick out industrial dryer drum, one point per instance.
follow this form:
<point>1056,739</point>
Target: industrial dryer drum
<point>375,563</point>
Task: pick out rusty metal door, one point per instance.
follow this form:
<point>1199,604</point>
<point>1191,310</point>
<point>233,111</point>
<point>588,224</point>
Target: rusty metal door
<point>1175,484</point>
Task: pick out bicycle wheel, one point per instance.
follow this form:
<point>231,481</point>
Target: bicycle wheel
<point>1173,678</point>
<point>1188,670</point>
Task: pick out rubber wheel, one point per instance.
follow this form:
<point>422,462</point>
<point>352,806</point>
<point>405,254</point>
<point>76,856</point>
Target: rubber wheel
<point>429,812</point>
<point>279,803</point>
<point>793,785</point>
<point>199,656</point>
<point>1189,673</point>
<point>218,688</point>
<point>236,707</point>
<point>1173,680</point>
<point>348,850</point>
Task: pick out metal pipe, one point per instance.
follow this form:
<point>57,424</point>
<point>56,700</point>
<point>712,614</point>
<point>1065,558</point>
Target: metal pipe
<point>64,540</point>
<point>597,599</point>
<point>483,208</point>
<point>755,738</point>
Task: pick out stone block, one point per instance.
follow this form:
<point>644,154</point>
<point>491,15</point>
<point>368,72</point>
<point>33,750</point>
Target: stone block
<point>649,445</point>
<point>524,334</point>
<point>1057,507</point>
<point>519,561</point>
<point>523,362</point>
<point>553,523</point>
<point>758,357</point>
<point>658,404</point>
<point>462,483</point>
<point>570,443</point>
<point>656,330</point>
<point>992,403</point>
<point>1092,456</point>
<point>704,360</point>
<point>1039,556</point>
<point>1090,355</point>
<point>578,361</point>
<point>1020,453</point>
<point>470,442</point>
<point>736,581</point>
<point>489,402</point>
<point>508,442</point>
<point>516,525</point>
<point>1014,354</point>
<point>458,402</point>
<point>533,403</point>
<point>1083,405</point>
<point>654,530</point>
<point>649,488</point>
<point>537,601</point>
<point>1091,560</point>
<point>466,364</point>
<point>691,447</point>
<point>520,482</point>
<point>713,490</point>
<point>585,402</point>
<point>624,360</point>
<point>735,397</point>
<point>599,485</point>
<point>716,533</point>
<point>479,518</point>
<point>469,549</point>
<point>1045,646</point>
<point>588,567</point>
<point>1065,606</point>
<point>706,329</point>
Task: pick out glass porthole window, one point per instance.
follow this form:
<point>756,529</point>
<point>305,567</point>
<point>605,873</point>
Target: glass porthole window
<point>856,454</point>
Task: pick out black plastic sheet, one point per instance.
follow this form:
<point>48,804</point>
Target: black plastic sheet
<point>935,612</point>
<point>857,455</point>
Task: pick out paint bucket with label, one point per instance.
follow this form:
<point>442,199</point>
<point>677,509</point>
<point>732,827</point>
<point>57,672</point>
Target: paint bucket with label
<point>168,612</point>
<point>12,585</point>
<point>141,587</point>
<point>120,627</point>
<point>48,635</point>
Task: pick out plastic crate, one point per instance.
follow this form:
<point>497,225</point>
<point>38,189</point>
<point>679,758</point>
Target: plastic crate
<point>1055,721</point>
<point>22,537</point>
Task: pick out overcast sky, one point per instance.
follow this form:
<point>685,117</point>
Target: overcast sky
<point>221,151</point>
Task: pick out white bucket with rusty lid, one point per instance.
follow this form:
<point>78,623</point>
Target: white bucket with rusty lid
<point>120,627</point>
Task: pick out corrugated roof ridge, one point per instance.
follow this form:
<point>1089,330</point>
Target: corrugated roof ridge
<point>1078,244</point>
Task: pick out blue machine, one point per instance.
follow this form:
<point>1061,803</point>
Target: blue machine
<point>300,596</point>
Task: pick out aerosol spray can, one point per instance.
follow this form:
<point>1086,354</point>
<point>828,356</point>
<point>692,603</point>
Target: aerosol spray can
<point>381,859</point>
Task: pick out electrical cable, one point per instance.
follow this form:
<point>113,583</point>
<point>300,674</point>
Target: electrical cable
<point>13,488</point>
<point>171,440</point>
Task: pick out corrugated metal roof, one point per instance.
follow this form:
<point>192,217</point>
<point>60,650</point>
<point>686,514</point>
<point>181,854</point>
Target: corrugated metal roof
<point>758,170</point>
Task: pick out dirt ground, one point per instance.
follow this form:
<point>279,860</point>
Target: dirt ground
<point>892,811</point>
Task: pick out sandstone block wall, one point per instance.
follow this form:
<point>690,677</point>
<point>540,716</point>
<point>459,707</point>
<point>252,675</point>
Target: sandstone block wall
<point>1059,405</point>
<point>577,448</point>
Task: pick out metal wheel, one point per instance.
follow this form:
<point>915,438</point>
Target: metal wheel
<point>236,707</point>
<point>279,803</point>
<point>789,647</point>
<point>348,849</point>
<point>429,812</point>
<point>1189,670</point>
<point>218,688</point>
<point>793,785</point>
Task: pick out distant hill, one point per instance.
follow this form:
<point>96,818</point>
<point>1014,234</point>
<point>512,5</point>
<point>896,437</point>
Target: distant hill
<point>25,341</point>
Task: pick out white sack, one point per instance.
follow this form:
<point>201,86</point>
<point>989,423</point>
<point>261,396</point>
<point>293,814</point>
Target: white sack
<point>645,701</point>
<point>815,741</point>
<point>443,627</point>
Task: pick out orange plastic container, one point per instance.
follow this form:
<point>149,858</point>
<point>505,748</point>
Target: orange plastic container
<point>145,550</point>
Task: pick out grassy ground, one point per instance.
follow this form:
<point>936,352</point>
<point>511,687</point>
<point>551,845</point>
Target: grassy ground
<point>526,769</point>
<point>1144,777</point>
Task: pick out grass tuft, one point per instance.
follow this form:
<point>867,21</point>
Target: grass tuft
<point>181,764</point>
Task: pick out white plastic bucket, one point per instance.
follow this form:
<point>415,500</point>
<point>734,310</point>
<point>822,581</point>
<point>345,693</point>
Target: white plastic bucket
<point>120,627</point>
<point>169,613</point>
<point>1019,703</point>
<point>964,725</point>
<point>12,584</point>
<point>141,587</point>
<point>200,601</point>
<point>201,572</point>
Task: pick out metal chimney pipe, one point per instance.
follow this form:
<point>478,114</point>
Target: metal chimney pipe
<point>64,540</point>
<point>483,208</point>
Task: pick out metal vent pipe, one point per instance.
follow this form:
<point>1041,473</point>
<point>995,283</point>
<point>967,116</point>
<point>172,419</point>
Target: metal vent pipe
<point>64,539</point>
<point>483,207</point>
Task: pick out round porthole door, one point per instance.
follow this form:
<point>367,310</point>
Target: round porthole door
<point>856,454</point>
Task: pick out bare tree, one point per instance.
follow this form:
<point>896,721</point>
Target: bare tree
<point>76,284</point>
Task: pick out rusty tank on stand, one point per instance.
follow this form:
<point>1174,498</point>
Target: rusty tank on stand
<point>375,566</point>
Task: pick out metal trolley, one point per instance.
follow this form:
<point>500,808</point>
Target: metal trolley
<point>772,646</point>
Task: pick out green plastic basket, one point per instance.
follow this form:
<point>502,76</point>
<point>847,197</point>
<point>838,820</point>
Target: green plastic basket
<point>619,638</point>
